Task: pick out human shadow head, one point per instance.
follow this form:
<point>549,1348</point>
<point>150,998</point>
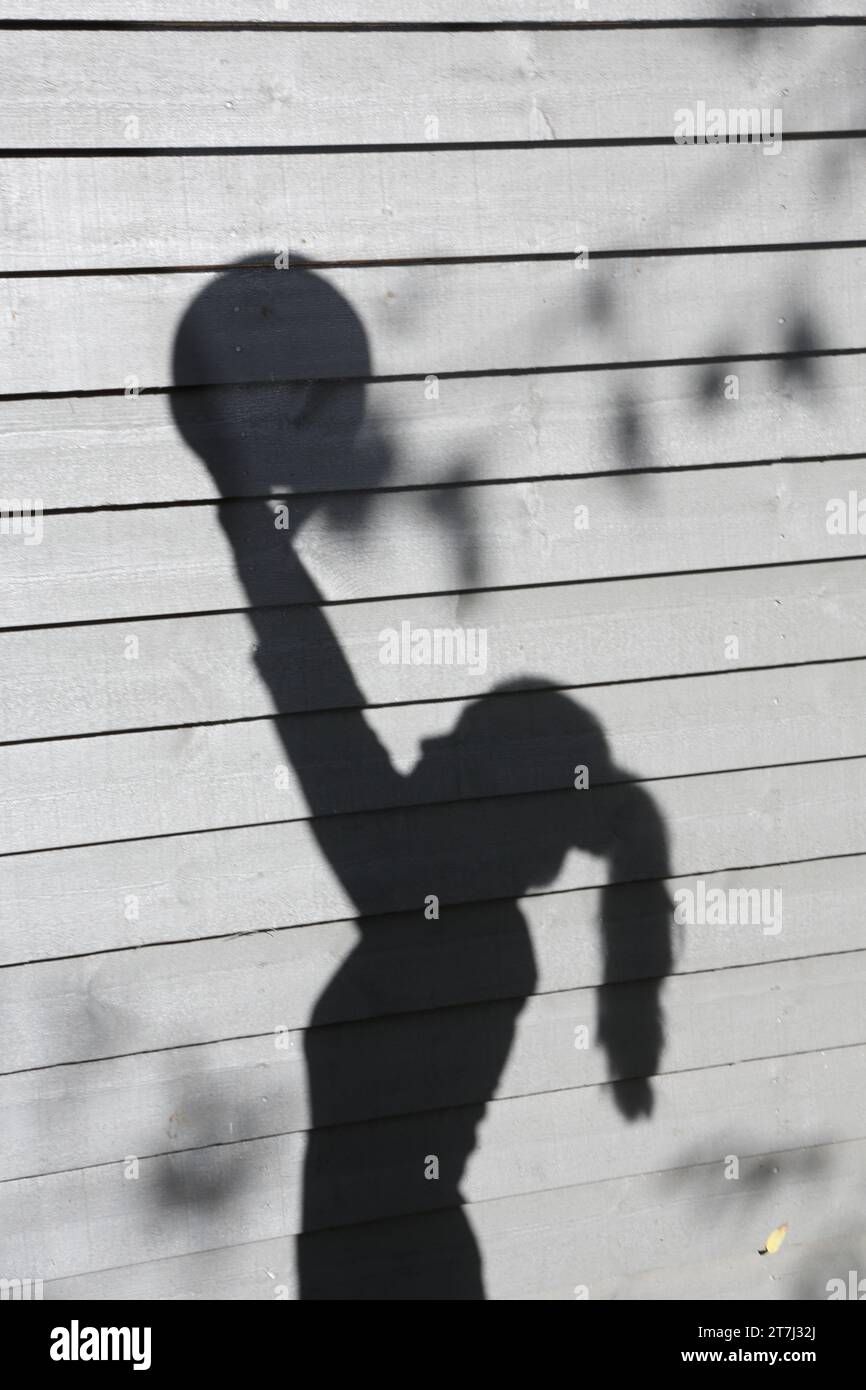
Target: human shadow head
<point>270,369</point>
<point>606,813</point>
<point>523,737</point>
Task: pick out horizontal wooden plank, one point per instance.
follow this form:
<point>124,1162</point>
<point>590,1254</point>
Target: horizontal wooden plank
<point>811,1267</point>
<point>73,901</point>
<point>83,333</point>
<point>221,667</point>
<point>80,1115</point>
<point>104,565</point>
<point>186,994</point>
<point>92,1218</point>
<point>622,1239</point>
<point>168,781</point>
<point>107,450</point>
<point>69,214</point>
<point>409,11</point>
<point>218,89</point>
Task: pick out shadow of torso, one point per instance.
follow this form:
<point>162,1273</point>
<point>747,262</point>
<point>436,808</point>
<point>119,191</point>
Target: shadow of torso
<point>427,1075</point>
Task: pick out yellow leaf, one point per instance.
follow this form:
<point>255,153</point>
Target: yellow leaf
<point>774,1240</point>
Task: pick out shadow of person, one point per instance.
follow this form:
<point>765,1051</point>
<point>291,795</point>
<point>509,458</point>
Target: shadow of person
<point>405,1048</point>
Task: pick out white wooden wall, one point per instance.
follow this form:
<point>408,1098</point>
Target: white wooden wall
<point>165,905</point>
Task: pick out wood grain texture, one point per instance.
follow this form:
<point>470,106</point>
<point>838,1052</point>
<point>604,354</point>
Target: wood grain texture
<point>409,11</point>
<point>763,1007</point>
<point>300,89</point>
<point>121,1004</point>
<point>248,1087</point>
<point>108,451</point>
<point>642,1237</point>
<point>86,333</point>
<point>192,994</point>
<point>168,781</point>
<point>69,214</point>
<point>198,826</point>
<point>74,901</point>
<point>190,670</point>
<point>88,1219</point>
<point>104,565</point>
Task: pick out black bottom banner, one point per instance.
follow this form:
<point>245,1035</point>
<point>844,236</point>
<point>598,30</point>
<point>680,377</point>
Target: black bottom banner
<point>174,1338</point>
